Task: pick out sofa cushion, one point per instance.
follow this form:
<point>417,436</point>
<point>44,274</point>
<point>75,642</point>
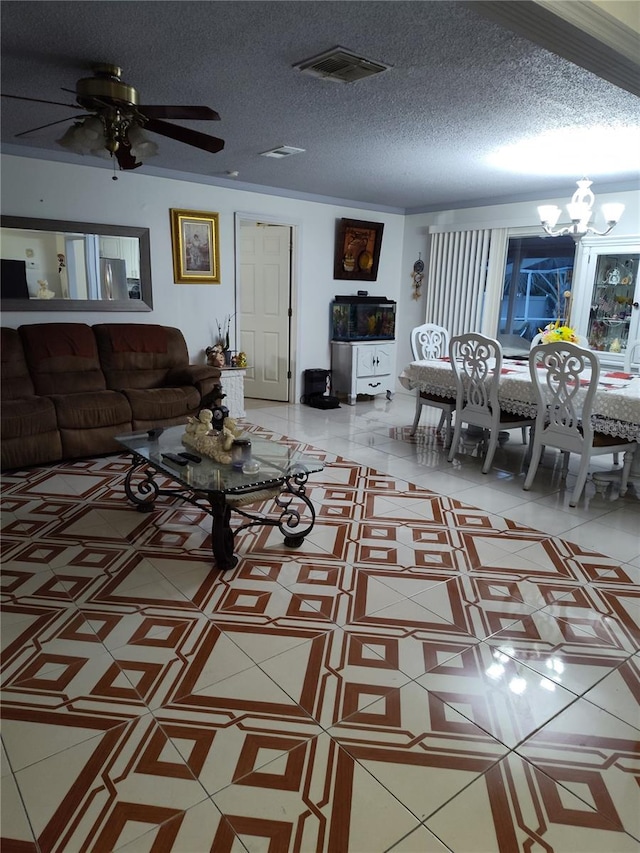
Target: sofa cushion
<point>139,355</point>
<point>14,378</point>
<point>62,358</point>
<point>28,416</point>
<point>79,443</point>
<point>91,410</point>
<point>159,404</point>
<point>30,450</point>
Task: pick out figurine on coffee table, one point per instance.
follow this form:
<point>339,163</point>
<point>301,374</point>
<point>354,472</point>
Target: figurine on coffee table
<point>201,424</point>
<point>214,442</point>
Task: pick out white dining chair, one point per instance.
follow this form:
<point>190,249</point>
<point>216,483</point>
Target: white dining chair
<point>564,412</point>
<point>477,362</point>
<point>581,342</point>
<point>632,357</point>
<point>430,341</point>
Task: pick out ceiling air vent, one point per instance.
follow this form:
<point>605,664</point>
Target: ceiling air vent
<point>341,65</point>
<point>282,151</point>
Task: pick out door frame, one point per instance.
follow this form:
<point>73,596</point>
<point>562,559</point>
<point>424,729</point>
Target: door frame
<point>294,281</point>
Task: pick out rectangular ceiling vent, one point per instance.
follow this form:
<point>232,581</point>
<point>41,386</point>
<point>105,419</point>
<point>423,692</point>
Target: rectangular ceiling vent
<point>282,151</point>
<point>341,66</point>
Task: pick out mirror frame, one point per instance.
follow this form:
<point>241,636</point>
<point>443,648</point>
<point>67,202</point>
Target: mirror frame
<point>145,303</point>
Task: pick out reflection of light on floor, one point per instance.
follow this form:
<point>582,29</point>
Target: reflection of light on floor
<point>518,683</point>
<point>496,670</point>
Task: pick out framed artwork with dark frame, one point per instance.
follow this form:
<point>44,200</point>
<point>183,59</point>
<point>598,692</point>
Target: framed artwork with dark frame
<point>357,252</point>
<point>196,247</point>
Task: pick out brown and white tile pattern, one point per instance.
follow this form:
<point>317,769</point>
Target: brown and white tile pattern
<point>421,675</point>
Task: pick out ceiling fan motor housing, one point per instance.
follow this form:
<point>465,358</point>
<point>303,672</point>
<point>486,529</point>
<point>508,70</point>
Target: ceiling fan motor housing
<point>105,88</point>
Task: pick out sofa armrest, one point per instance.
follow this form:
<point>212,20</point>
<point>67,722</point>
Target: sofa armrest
<point>201,376</point>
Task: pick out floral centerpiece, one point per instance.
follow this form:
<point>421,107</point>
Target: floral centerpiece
<point>556,332</point>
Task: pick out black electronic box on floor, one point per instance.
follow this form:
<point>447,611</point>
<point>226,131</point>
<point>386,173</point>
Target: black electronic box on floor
<point>316,390</point>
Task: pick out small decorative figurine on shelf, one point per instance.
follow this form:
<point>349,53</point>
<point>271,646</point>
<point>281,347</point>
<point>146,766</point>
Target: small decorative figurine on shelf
<point>215,356</point>
<point>44,292</point>
<point>241,359</point>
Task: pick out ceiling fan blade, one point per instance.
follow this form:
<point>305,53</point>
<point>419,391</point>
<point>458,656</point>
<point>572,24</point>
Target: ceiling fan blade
<point>125,158</point>
<point>40,101</point>
<point>184,112</point>
<point>50,124</point>
<point>186,135</point>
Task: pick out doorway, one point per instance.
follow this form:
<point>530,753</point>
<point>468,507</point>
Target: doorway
<point>264,300</point>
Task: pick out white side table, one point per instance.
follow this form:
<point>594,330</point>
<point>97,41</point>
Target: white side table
<point>232,382</point>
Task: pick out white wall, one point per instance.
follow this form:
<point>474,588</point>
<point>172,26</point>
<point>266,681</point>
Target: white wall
<point>43,189</point>
<point>521,214</point>
<point>39,188</point>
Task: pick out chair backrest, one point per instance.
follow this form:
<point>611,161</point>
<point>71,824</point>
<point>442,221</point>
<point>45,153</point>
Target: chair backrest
<point>476,362</point>
<point>581,342</point>
<point>429,341</point>
<point>564,394</point>
<point>632,357</point>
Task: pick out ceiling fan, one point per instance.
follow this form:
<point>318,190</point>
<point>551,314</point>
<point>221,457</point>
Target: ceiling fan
<point>114,126</point>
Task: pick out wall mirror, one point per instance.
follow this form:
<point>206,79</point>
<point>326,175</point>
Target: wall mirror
<point>51,265</point>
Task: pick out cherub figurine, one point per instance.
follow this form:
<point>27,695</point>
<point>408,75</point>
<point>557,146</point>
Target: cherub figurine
<point>200,425</point>
<point>215,444</point>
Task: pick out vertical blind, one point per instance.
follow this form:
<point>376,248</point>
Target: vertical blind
<point>457,279</point>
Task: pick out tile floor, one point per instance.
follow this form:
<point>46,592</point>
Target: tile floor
<point>447,663</point>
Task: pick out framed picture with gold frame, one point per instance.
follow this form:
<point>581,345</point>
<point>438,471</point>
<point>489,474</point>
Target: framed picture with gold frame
<point>196,247</point>
<point>357,252</point>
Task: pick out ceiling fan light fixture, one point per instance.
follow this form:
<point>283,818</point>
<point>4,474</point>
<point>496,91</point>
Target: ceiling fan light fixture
<point>142,148</point>
<point>85,137</point>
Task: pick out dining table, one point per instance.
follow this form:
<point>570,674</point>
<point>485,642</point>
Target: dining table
<point>616,404</point>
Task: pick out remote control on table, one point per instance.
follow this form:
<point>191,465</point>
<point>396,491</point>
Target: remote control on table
<point>191,457</point>
<point>175,459</point>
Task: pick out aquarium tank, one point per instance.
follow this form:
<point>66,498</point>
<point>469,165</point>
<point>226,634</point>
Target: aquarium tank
<point>363,318</point>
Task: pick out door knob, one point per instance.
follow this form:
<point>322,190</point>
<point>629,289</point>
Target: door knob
<point>636,305</point>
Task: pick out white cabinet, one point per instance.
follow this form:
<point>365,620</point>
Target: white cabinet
<point>232,383</point>
<point>358,368</point>
<point>606,300</point>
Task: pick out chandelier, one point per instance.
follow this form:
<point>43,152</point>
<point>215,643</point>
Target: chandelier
<point>579,209</point>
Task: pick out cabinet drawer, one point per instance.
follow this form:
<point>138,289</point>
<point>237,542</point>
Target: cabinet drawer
<point>372,385</point>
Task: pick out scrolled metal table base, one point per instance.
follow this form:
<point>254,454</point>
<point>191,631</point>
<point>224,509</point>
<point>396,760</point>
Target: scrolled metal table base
<point>288,493</point>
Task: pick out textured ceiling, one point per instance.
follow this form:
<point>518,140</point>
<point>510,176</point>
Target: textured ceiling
<point>413,138</point>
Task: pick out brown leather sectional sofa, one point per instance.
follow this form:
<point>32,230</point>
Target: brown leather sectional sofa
<point>69,388</point>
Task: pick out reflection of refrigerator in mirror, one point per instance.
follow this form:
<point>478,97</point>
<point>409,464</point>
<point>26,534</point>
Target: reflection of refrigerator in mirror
<point>75,267</point>
<point>113,279</point>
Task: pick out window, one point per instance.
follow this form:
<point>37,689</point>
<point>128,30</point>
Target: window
<point>537,274</point>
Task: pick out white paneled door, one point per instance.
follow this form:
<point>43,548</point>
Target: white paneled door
<point>265,308</point>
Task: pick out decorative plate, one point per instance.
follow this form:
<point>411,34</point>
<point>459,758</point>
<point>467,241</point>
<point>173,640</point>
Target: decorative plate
<point>365,261</point>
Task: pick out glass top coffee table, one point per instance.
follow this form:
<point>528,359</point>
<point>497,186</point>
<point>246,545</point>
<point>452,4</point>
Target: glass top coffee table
<point>218,489</point>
